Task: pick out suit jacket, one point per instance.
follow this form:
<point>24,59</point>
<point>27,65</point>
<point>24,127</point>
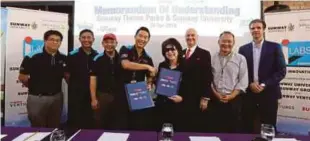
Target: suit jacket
<point>272,67</point>
<point>197,77</point>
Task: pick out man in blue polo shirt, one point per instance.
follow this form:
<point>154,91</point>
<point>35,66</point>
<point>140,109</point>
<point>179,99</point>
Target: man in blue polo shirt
<point>42,71</point>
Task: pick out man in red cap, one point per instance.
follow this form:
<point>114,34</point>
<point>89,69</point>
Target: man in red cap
<point>103,82</point>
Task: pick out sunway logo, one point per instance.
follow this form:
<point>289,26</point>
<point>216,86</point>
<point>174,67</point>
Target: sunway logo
<point>20,25</point>
<point>306,109</point>
<point>282,28</point>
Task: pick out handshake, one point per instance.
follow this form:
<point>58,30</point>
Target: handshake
<point>152,70</point>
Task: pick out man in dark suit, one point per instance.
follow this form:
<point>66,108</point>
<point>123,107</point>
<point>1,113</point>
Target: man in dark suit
<point>266,68</point>
<point>197,78</point>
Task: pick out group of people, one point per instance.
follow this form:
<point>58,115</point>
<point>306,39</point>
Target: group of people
<point>226,92</point>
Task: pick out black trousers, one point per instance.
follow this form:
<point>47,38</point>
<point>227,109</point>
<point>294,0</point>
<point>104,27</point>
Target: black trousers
<point>142,119</point>
<point>167,113</point>
<point>192,118</point>
<point>259,108</point>
<point>80,113</point>
<point>225,117</point>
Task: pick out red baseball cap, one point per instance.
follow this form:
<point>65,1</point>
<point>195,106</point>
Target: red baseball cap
<point>109,36</point>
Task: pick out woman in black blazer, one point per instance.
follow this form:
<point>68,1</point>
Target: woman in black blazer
<point>167,108</point>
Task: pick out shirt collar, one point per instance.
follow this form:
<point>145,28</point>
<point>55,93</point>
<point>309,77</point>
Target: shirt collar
<point>92,51</point>
<point>46,53</point>
<point>136,52</point>
<point>260,44</point>
<point>192,48</point>
<point>115,54</point>
<point>230,54</point>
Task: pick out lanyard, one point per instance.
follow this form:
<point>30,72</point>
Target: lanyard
<point>223,66</point>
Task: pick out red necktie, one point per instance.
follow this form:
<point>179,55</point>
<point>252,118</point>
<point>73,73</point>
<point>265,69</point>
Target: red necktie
<point>187,53</point>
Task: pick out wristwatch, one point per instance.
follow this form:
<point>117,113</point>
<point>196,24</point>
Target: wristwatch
<point>205,98</point>
<point>262,84</point>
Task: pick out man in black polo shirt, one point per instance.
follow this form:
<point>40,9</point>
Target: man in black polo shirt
<point>78,64</point>
<point>42,71</point>
<point>104,80</point>
<point>137,66</point>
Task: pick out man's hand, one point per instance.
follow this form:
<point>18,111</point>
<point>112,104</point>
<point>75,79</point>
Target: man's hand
<point>94,104</point>
<point>176,98</point>
<point>256,88</point>
<point>218,96</point>
<point>152,71</point>
<point>227,98</point>
<point>204,104</point>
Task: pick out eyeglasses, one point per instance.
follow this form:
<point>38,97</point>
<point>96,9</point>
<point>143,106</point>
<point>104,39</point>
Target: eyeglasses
<point>54,40</point>
<point>170,49</point>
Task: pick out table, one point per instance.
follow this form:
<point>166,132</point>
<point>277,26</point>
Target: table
<point>184,136</point>
<point>93,135</point>
<point>13,132</point>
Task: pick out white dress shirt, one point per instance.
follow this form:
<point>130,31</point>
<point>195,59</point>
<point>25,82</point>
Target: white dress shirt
<point>257,49</point>
<point>192,49</point>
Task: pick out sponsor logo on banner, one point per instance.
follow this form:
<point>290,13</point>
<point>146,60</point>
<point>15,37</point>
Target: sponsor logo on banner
<point>30,45</point>
<point>281,28</point>
<point>34,25</point>
<point>20,25</point>
<point>304,23</point>
<point>298,52</point>
<point>52,26</point>
<point>287,107</point>
<point>18,103</point>
<point>290,27</point>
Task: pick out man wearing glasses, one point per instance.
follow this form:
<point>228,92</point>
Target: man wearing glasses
<point>42,72</point>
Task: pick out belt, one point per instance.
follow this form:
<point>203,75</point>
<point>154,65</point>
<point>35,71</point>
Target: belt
<point>44,94</point>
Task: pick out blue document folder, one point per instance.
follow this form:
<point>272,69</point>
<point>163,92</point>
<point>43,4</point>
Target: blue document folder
<point>168,82</point>
<point>138,96</point>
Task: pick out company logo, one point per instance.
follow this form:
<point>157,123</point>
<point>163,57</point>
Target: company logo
<point>304,23</point>
<point>30,45</point>
<point>291,27</point>
<point>288,107</point>
<point>17,104</point>
<point>59,27</point>
<point>34,25</point>
<point>283,28</point>
<point>298,52</point>
<point>20,25</point>
<point>306,109</point>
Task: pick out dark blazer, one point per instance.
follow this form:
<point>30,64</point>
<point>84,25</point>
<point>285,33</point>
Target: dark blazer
<point>272,67</point>
<point>197,77</point>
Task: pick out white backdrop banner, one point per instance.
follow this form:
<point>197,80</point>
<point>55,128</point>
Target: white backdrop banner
<point>293,34</point>
<point>25,34</point>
